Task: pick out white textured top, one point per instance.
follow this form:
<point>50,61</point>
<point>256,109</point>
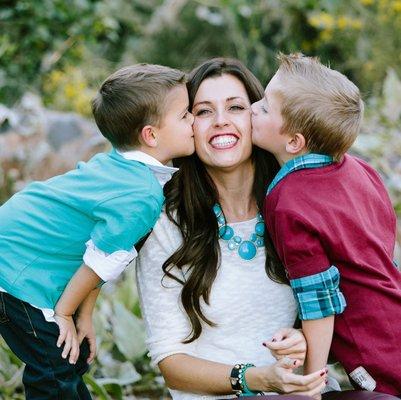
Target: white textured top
<point>246,305</point>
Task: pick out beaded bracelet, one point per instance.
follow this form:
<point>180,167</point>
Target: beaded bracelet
<point>238,381</point>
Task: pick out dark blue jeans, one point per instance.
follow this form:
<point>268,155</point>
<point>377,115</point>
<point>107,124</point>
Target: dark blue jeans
<point>33,340</point>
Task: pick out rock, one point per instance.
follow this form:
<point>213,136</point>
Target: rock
<point>37,144</point>
<point>62,128</point>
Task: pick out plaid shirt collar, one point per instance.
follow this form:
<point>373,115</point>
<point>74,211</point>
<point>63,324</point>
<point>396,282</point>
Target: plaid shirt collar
<point>311,160</point>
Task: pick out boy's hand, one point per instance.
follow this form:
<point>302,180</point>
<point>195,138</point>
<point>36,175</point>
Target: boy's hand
<point>68,336</point>
<point>85,330</point>
<point>288,342</point>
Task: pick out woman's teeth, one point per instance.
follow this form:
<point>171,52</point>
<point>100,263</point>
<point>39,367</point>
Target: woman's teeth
<point>224,141</point>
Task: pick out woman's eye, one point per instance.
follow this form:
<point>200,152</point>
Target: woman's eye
<point>237,108</point>
<point>264,109</point>
<point>202,111</point>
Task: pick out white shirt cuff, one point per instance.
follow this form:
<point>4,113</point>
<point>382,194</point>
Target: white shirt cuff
<point>107,266</point>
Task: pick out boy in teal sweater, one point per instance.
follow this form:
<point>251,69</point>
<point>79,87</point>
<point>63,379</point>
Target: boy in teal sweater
<point>60,238</point>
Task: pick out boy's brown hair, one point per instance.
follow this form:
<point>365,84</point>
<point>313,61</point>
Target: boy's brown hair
<point>320,103</point>
<point>132,98</point>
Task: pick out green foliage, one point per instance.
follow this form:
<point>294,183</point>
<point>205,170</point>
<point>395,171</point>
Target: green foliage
<point>47,45</point>
<point>38,36</point>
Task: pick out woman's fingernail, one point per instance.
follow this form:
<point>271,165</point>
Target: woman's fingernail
<point>322,373</point>
<point>274,340</point>
<point>264,344</point>
<point>295,362</point>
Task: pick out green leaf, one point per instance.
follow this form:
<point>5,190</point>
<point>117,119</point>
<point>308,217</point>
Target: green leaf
<point>124,374</point>
<point>97,389</point>
<point>128,332</point>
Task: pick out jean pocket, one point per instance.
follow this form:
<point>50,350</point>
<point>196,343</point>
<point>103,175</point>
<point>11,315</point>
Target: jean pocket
<point>30,330</point>
<point>3,315</point>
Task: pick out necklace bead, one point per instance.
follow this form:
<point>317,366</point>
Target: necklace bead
<point>246,248</point>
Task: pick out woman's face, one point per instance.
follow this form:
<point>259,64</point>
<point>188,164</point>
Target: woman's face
<point>222,125</point>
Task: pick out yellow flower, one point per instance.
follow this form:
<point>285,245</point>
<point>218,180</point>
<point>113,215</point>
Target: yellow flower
<point>326,35</point>
<point>368,66</point>
<point>342,22</point>
<point>56,77</point>
<point>69,90</point>
<point>356,23</point>
<point>397,6</point>
<point>82,104</point>
<point>322,20</point>
<point>366,2</point>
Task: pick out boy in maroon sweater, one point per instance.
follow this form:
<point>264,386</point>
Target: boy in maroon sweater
<point>332,223</point>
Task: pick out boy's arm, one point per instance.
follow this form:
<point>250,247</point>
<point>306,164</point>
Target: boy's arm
<point>77,290</point>
<point>84,323</point>
<point>88,304</point>
<point>313,278</point>
<point>318,334</point>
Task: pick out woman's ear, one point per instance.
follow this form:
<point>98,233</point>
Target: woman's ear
<point>148,136</point>
<point>296,144</point>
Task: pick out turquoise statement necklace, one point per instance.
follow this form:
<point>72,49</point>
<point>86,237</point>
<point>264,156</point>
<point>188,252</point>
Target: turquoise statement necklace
<point>246,248</point>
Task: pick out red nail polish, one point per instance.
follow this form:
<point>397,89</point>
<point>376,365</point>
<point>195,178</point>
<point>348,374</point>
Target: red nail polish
<point>264,344</point>
<point>273,340</point>
<point>295,362</point>
<point>322,373</point>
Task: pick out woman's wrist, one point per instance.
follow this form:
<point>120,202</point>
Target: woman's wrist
<point>257,379</point>
<point>253,379</point>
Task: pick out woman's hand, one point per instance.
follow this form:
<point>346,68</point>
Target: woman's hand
<point>288,342</point>
<point>280,378</point>
<point>85,329</point>
<point>68,336</point>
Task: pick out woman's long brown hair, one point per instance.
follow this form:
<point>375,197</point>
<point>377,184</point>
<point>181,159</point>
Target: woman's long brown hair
<point>190,197</point>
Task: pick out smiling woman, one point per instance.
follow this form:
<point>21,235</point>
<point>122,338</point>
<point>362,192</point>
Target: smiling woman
<point>207,305</point>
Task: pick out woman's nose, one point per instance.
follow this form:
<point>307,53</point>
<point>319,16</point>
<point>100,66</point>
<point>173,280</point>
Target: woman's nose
<point>221,119</point>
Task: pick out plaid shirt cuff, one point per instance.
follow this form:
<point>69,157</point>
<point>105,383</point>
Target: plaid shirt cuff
<point>318,295</point>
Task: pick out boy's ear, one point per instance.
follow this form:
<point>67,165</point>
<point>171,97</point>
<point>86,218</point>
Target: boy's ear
<point>148,136</point>
<point>296,144</point>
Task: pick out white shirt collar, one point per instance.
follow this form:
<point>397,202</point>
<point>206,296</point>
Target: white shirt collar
<point>147,159</point>
<point>162,172</point>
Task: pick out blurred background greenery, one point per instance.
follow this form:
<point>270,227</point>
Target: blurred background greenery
<point>62,50</point>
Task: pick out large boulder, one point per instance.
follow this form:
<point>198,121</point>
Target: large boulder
<point>36,143</point>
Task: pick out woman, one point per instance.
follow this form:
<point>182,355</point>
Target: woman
<point>207,302</point>
<point>217,285</point>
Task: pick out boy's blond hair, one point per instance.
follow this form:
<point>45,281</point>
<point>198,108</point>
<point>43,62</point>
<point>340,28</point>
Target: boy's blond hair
<point>320,103</point>
<point>132,98</point>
